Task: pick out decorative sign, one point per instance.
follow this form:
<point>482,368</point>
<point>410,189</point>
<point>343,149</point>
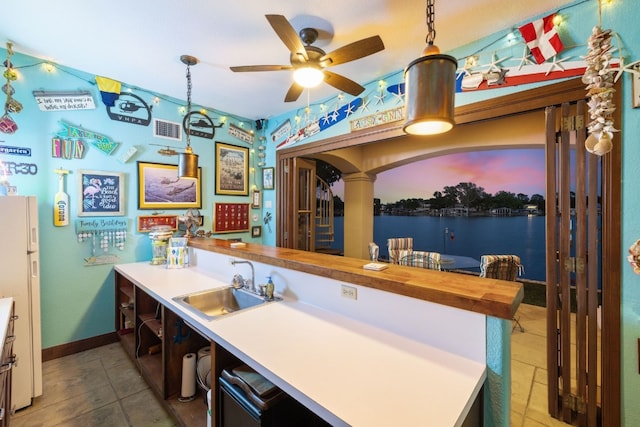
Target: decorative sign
<point>130,108</point>
<point>99,141</point>
<point>145,222</point>
<point>200,125</point>
<point>64,101</point>
<point>91,225</point>
<point>329,119</point>
<point>281,131</point>
<point>67,148</point>
<point>15,151</point>
<point>103,234</point>
<point>101,193</point>
<point>240,133</point>
<point>230,217</point>
<point>12,168</point>
<point>377,119</point>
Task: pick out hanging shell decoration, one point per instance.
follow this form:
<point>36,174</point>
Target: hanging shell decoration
<point>634,257</point>
<point>599,78</point>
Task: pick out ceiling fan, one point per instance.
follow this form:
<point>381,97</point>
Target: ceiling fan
<point>304,56</point>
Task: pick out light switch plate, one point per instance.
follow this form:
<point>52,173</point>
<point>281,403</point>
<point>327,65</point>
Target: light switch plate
<point>635,83</point>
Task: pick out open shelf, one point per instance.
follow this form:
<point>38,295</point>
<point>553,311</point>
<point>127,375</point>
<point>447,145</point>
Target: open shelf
<point>151,369</point>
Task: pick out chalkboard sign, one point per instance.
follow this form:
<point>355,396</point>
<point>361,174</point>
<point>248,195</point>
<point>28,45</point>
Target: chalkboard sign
<point>101,193</point>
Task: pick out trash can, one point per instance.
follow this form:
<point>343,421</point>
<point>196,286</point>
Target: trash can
<point>248,399</point>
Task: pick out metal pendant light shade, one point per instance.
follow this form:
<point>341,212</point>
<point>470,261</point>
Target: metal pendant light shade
<point>188,164</point>
<point>187,161</point>
<point>430,87</point>
<point>430,83</point>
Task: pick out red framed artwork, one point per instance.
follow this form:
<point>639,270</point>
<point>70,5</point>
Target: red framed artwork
<point>145,222</point>
<point>230,217</point>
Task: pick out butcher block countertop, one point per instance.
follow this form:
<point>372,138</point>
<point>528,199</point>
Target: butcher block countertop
<point>491,297</point>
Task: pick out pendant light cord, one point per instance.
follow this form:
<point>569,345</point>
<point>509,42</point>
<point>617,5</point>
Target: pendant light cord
<point>188,104</point>
<point>431,31</point>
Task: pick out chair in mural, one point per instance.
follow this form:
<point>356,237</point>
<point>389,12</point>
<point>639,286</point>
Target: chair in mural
<point>422,259</point>
<point>398,248</point>
<point>504,267</point>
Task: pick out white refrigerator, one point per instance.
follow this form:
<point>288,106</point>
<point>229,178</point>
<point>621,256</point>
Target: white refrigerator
<point>20,279</point>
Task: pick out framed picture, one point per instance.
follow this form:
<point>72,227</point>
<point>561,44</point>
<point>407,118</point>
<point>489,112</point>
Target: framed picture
<point>232,170</point>
<point>145,222</point>
<point>101,193</point>
<point>256,198</point>
<point>160,188</point>
<point>267,178</point>
<point>230,217</point>
<point>256,231</point>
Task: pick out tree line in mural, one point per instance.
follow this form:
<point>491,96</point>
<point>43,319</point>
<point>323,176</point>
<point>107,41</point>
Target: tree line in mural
<point>469,196</point>
<point>465,195</point>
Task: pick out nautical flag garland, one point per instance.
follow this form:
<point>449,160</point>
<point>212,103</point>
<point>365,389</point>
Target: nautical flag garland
<point>542,38</point>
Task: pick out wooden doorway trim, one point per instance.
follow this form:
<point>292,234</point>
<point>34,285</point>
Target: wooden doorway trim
<point>517,103</point>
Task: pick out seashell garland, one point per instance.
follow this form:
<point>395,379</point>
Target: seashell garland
<point>599,78</point>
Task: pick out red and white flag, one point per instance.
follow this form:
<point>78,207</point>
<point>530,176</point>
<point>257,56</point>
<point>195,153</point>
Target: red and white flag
<point>542,38</point>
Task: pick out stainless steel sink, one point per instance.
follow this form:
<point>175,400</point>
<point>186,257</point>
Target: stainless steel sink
<point>218,302</point>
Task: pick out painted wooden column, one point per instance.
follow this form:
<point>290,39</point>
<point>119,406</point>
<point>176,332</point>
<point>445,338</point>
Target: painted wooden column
<point>358,214</point>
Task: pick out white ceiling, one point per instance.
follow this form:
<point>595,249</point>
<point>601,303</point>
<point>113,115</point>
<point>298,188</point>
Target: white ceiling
<point>140,42</point>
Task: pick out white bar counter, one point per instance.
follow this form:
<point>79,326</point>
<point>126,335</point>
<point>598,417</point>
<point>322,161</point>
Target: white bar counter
<point>381,360</point>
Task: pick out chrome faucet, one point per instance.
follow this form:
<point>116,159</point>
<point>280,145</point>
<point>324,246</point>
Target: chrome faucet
<point>249,285</point>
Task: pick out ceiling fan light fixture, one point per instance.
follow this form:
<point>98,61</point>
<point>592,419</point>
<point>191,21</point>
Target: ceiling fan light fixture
<point>308,76</point>
<point>430,87</point>
<point>188,161</point>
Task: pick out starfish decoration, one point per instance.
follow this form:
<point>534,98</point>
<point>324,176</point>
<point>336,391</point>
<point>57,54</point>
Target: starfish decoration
<point>633,68</point>
<point>380,97</point>
<point>524,60</point>
<point>399,96</point>
<point>334,116</point>
<point>349,110</point>
<point>556,63</point>
<point>325,118</point>
<point>365,104</point>
<point>494,65</point>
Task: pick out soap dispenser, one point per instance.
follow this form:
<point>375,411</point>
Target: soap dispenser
<point>269,289</point>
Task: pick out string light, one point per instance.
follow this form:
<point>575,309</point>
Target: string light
<point>558,19</point>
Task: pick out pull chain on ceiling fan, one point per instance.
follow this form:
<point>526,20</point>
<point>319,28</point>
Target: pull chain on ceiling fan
<point>309,60</point>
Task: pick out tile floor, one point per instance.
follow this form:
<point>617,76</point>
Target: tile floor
<point>101,387</point>
<point>529,372</point>
<point>98,387</point>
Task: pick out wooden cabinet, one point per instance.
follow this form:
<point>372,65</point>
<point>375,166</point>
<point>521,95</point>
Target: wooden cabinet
<point>157,340</point>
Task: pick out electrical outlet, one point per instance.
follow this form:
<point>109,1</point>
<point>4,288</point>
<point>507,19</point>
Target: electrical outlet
<point>12,190</point>
<point>635,83</point>
<point>349,292</point>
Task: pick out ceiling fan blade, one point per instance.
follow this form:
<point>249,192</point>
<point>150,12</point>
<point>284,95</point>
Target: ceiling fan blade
<point>288,35</point>
<point>294,92</point>
<point>243,68</point>
<point>342,83</point>
<point>355,50</point>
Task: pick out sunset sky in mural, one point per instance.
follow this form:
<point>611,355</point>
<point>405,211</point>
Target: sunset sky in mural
<point>516,171</point>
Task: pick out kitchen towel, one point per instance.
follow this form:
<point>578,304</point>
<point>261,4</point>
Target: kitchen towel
<point>188,389</point>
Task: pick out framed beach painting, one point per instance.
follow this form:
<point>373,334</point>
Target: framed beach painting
<point>232,170</point>
<point>160,188</point>
<point>101,193</point>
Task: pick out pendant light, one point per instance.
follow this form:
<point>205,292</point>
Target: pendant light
<point>430,87</point>
<point>188,161</point>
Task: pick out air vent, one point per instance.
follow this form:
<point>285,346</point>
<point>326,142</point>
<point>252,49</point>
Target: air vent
<point>166,129</point>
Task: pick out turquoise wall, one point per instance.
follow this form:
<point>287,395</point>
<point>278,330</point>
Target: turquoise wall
<point>579,18</point>
<point>78,300</point>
